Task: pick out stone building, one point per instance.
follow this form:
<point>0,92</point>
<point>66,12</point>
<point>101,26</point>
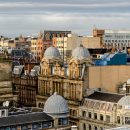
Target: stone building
<point>25,85</point>
<point>92,42</point>
<point>66,80</point>
<point>77,79</point>
<point>65,44</point>
<point>37,47</point>
<point>101,111</point>
<point>118,39</point>
<point>54,116</point>
<point>6,93</point>
<point>56,106</point>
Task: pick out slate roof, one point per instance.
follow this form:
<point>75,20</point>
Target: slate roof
<point>24,119</point>
<point>108,97</point>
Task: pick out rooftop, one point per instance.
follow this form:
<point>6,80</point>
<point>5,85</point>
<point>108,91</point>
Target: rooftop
<point>108,97</point>
<point>24,118</point>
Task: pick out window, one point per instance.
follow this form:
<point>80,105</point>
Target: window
<point>62,121</point>
<point>89,126</point>
<point>101,117</point>
<point>13,128</point>
<point>127,120</point>
<point>84,126</point>
<point>35,126</point>
<point>89,115</point>
<point>101,128</point>
<point>46,124</point>
<point>118,119</point>
<point>23,127</point>
<point>95,115</point>
<point>83,113</point>
<point>2,113</point>
<point>95,128</point>
<point>7,128</point>
<point>65,121</point>
<point>59,121</point>
<point>107,118</point>
<point>29,126</point>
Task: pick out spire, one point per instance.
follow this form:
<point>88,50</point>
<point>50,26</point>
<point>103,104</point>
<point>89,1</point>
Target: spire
<point>40,34</point>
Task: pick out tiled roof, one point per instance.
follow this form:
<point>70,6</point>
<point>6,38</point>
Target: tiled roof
<point>108,97</point>
<point>24,118</point>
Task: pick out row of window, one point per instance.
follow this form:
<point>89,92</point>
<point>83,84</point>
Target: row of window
<point>99,105</point>
<point>96,116</point>
<point>117,40</point>
<point>90,127</point>
<point>36,48</point>
<point>34,126</point>
<point>117,36</point>
<point>37,53</point>
<point>102,117</point>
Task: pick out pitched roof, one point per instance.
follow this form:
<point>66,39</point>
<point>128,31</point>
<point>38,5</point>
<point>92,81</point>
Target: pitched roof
<point>24,119</point>
<point>108,97</point>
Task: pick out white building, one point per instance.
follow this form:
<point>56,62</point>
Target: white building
<point>116,38</point>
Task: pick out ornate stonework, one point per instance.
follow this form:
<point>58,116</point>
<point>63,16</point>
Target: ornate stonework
<point>66,80</point>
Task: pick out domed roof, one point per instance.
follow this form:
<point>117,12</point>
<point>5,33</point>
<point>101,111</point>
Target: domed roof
<point>128,81</point>
<point>56,104</point>
<point>124,101</point>
<point>80,53</point>
<point>52,52</point>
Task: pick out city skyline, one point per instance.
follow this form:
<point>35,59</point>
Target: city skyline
<point>29,17</point>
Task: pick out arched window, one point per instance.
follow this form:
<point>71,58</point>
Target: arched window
<point>84,126</point>
<point>89,127</point>
<point>89,115</point>
<point>74,113</point>
<point>118,119</point>
<point>39,104</point>
<point>95,128</point>
<point>84,113</point>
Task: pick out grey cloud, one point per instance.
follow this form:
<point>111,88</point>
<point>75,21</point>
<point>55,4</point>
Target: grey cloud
<point>30,16</point>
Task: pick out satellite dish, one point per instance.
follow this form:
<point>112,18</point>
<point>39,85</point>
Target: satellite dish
<point>7,103</point>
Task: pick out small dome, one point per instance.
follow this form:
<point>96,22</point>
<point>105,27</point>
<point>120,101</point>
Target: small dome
<point>124,101</point>
<point>56,105</point>
<point>52,52</point>
<point>128,81</point>
<point>80,53</point>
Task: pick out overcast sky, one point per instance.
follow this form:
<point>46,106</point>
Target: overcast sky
<point>30,16</point>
